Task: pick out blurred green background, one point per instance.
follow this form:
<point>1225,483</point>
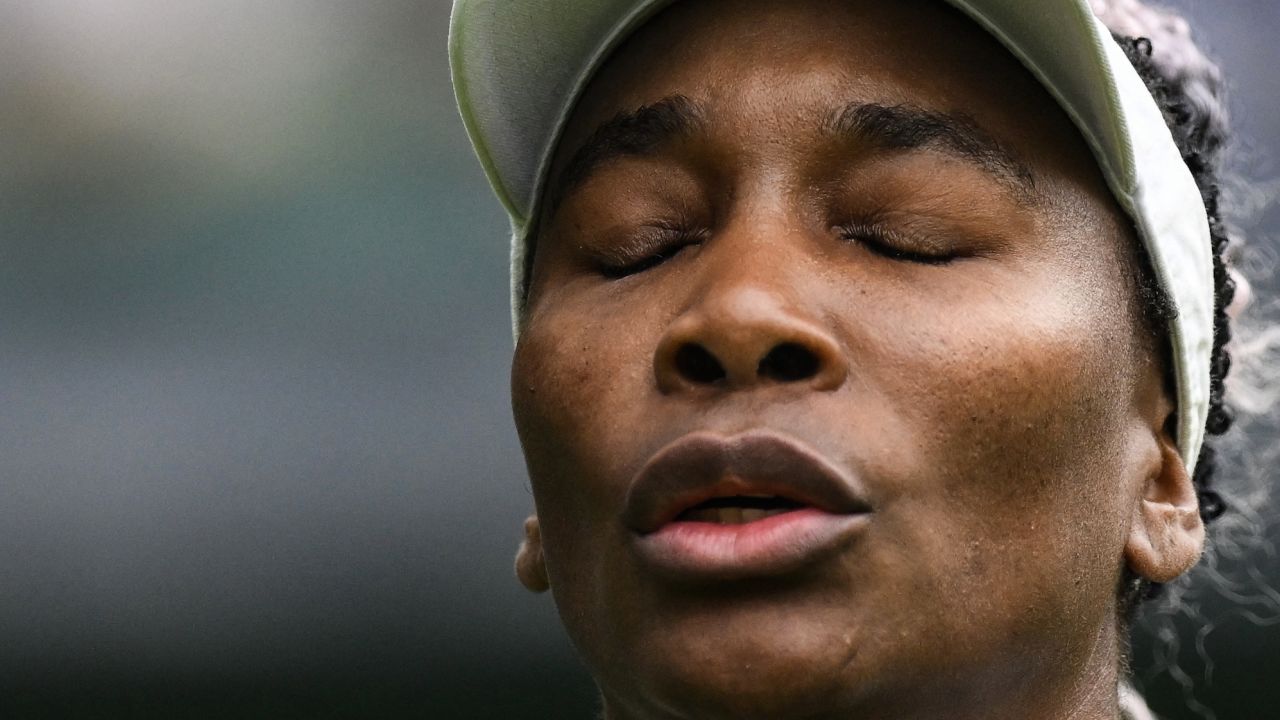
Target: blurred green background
<point>256,450</point>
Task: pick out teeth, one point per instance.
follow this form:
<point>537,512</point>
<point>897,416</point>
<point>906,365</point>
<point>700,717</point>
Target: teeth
<point>730,515</point>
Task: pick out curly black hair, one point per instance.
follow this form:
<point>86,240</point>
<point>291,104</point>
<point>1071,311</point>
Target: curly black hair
<point>1201,136</point>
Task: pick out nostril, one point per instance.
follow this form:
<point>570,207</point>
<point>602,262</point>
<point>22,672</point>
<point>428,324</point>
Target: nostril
<point>698,365</point>
<point>789,362</point>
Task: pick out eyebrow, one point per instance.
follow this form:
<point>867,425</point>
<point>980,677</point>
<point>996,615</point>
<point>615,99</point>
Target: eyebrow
<point>630,134</point>
<point>907,127</point>
<point>647,129</point>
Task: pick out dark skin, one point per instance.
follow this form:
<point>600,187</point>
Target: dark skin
<point>980,363</point>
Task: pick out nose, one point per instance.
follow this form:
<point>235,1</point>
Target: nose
<point>746,337</point>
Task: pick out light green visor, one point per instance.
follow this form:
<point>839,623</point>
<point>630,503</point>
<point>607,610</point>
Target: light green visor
<point>519,67</point>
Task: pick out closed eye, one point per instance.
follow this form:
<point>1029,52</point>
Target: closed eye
<point>616,272</point>
<point>648,252</point>
<point>895,246</point>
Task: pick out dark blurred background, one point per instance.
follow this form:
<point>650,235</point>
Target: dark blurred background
<point>255,450</point>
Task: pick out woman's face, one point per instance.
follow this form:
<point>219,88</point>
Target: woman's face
<point>847,260</point>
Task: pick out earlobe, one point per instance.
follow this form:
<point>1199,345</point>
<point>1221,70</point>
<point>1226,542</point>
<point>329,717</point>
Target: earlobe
<point>1166,536</point>
<point>531,567</point>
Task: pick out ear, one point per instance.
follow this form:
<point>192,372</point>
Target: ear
<point>531,567</point>
<point>1166,536</point>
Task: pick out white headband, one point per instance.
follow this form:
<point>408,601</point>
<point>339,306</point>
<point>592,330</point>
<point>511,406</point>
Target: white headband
<point>520,66</point>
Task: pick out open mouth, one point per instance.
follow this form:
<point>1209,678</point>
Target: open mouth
<point>709,479</point>
<point>709,508</point>
<point>738,509</point>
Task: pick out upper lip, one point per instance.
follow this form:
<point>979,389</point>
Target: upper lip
<point>700,466</point>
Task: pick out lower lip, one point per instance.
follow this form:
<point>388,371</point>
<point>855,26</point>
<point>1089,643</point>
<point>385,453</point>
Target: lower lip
<point>771,546</point>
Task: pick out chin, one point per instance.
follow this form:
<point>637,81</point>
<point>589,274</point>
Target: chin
<point>759,694</point>
<point>767,672</point>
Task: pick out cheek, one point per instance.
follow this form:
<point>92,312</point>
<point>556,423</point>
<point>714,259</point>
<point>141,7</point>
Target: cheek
<point>1018,408</point>
<point>1032,398</point>
<point>579,396</point>
<point>575,384</point>
<point>572,371</point>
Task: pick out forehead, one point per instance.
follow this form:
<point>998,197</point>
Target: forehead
<point>766,70</point>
